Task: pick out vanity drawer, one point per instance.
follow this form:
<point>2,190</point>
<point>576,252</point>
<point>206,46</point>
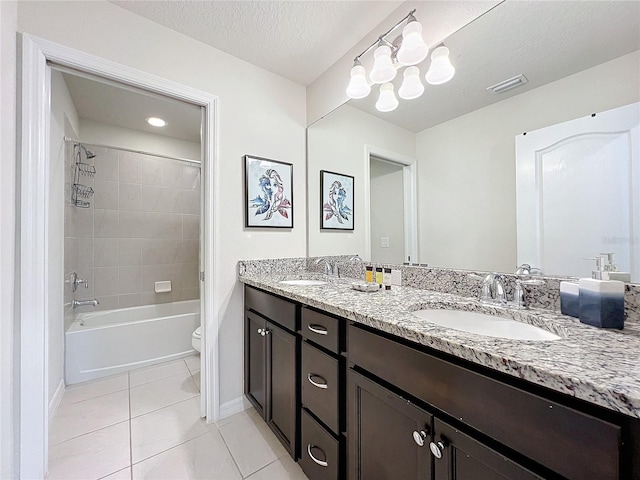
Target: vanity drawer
<point>569,442</point>
<point>321,329</point>
<point>320,385</point>
<point>268,305</point>
<point>320,454</point>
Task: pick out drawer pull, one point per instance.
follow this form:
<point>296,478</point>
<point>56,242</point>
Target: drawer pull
<point>319,462</point>
<point>315,384</point>
<point>319,329</point>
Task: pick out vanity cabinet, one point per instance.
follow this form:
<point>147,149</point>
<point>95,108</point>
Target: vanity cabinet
<point>271,353</point>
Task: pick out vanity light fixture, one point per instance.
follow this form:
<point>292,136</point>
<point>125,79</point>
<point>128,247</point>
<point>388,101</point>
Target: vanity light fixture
<point>156,121</point>
<point>407,50</point>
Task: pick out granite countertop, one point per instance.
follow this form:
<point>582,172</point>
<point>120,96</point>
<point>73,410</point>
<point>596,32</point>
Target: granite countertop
<point>596,365</point>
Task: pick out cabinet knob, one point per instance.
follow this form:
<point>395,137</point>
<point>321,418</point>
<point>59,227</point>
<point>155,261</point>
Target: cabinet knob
<point>266,331</point>
<point>322,463</point>
<point>419,436</point>
<point>437,448</point>
<point>323,385</point>
<point>261,331</point>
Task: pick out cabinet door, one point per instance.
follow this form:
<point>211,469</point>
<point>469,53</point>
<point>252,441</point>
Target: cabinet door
<point>460,457</point>
<point>255,378</point>
<point>388,436</point>
<point>282,378</point>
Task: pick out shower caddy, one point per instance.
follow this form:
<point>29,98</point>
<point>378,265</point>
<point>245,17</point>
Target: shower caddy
<point>80,192</point>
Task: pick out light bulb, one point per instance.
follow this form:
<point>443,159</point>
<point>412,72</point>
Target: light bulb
<point>413,50</point>
<point>156,121</point>
<point>387,101</point>
<point>383,70</point>
<point>358,85</point>
<point>411,85</point>
<point>440,70</point>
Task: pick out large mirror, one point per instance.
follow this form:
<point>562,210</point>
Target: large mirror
<point>435,180</point>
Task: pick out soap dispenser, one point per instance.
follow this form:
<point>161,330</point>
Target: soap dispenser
<point>610,269</point>
<point>601,302</point>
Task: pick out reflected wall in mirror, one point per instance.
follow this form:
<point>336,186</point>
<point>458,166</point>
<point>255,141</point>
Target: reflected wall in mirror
<point>579,57</point>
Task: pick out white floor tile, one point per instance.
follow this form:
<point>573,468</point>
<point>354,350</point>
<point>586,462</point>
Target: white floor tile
<point>162,393</point>
<point>203,457</point>
<point>91,456</point>
<point>74,419</point>
<point>95,388</point>
<point>196,379</point>
<point>162,429</point>
<point>193,363</point>
<point>251,443</point>
<point>249,412</point>
<point>157,372</point>
<point>282,469</point>
<point>124,474</point>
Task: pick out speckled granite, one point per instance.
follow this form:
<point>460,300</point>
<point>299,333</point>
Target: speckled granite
<point>599,366</point>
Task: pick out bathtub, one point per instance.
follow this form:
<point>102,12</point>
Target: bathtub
<point>114,341</point>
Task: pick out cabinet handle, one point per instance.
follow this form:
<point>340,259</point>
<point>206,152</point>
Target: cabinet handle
<point>315,384</point>
<point>319,462</point>
<point>419,437</point>
<point>319,329</point>
<point>437,448</point>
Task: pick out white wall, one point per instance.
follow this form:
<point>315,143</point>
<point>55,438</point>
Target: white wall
<point>259,113</point>
<point>63,118</point>
<point>387,211</point>
<point>8,333</point>
<point>337,143</point>
<point>466,167</point>
<point>111,135</point>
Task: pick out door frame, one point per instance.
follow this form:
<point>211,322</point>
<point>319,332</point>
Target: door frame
<point>409,176</point>
<point>34,231</point>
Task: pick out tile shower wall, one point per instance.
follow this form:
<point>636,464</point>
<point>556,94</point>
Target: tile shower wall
<point>143,226</point>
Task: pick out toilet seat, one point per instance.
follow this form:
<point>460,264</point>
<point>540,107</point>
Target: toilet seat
<point>196,339</point>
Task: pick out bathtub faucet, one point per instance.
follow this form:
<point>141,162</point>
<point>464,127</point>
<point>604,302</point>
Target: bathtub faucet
<point>83,303</point>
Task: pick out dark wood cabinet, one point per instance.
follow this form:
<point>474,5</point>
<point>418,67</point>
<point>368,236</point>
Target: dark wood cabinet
<point>388,436</point>
<point>271,370</point>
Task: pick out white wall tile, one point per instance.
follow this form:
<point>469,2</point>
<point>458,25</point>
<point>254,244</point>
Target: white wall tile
<point>84,252</point>
<point>129,300</point>
<point>106,163</point>
<point>106,223</point>
<point>171,201</point>
<point>108,302</point>
<point>129,280</point>
<point>106,194</point>
<point>151,251</point>
<point>149,275</point>
<point>190,274</point>
<point>151,171</point>
<point>105,281</point>
<point>191,226</point>
<point>171,251</point>
<point>190,201</point>
<point>130,168</point>
<point>106,252</point>
<point>172,174</point>
<point>130,197</point>
<point>130,225</point>
<point>129,251</point>
<point>152,198</point>
<point>190,177</point>
<point>190,251</point>
<point>83,222</point>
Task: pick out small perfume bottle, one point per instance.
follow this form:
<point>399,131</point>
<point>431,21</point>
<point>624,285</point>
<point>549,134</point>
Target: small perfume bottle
<point>368,274</point>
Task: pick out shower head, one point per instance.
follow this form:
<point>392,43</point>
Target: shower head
<point>87,152</point>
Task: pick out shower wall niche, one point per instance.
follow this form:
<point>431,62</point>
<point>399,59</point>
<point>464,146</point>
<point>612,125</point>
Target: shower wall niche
<point>142,225</point>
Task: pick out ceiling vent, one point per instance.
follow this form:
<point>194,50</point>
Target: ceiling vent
<point>508,84</point>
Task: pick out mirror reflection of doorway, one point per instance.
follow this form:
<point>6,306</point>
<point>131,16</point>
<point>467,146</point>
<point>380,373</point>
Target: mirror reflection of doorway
<point>387,211</point>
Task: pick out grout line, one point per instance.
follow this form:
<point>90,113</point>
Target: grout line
<point>261,468</point>
<point>86,433</point>
<point>168,449</point>
<point>229,450</point>
<point>164,406</point>
<point>130,433</point>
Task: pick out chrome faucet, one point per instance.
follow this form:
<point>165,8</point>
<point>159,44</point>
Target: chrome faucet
<point>328,269</point>
<point>84,303</point>
<point>493,289</point>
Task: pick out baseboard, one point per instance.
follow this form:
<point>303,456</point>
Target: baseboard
<point>55,401</point>
<point>234,406</point>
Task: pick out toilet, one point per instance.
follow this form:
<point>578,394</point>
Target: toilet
<point>196,339</point>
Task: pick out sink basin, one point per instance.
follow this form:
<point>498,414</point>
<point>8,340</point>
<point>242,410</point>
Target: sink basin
<point>486,325</point>
<point>304,282</point>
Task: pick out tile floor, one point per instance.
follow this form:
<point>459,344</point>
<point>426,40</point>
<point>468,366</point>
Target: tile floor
<point>146,424</point>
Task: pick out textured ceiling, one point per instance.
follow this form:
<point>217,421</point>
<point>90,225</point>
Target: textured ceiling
<point>128,108</point>
<point>545,41</point>
<point>296,39</point>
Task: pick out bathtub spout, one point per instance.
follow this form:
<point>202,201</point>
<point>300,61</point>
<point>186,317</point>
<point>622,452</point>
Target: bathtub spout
<point>82,303</point>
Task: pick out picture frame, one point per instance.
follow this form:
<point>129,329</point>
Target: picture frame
<point>268,186</point>
<point>336,201</point>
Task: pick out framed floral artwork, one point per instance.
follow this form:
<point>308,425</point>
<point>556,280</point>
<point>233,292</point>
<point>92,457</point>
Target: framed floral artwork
<point>336,199</point>
<point>268,193</point>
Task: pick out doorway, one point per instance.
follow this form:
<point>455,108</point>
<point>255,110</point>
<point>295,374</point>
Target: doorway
<point>390,207</point>
<point>37,231</point>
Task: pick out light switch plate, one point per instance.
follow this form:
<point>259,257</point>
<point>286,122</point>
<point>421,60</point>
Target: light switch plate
<point>396,277</point>
<point>384,242</point>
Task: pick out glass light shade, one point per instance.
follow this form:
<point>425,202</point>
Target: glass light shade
<point>411,85</point>
<point>358,85</point>
<point>440,71</point>
<point>383,70</point>
<point>413,50</point>
<point>387,100</point>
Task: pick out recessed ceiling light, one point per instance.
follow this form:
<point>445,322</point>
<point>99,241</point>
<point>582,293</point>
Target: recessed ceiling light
<point>156,122</point>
